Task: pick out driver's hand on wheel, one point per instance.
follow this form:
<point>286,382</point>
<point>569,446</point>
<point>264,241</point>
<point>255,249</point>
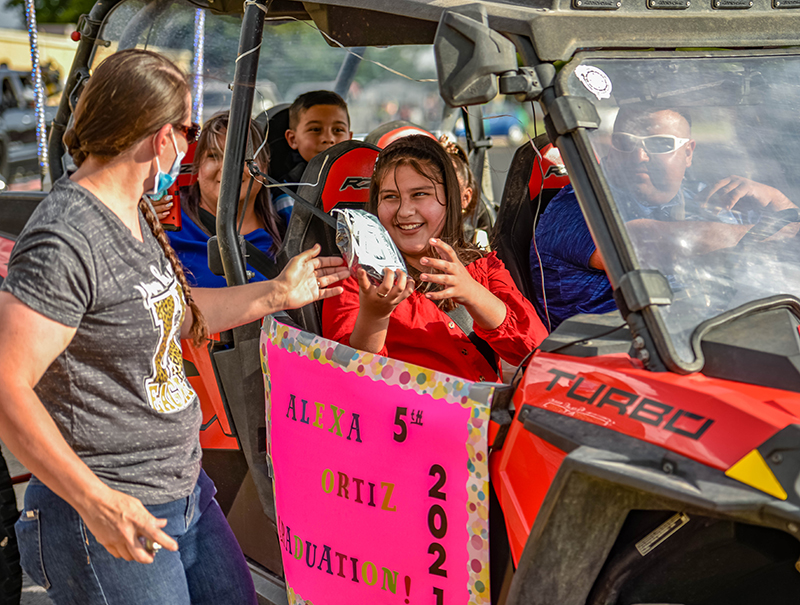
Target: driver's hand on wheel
<point>741,194</point>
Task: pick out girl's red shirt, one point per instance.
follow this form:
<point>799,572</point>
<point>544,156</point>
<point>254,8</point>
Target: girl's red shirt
<point>421,333</point>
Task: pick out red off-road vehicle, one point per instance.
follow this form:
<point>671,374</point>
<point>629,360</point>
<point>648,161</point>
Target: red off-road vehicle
<point>651,455</point>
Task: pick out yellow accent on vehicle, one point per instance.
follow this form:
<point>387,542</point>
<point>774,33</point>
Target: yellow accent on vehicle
<point>752,470</point>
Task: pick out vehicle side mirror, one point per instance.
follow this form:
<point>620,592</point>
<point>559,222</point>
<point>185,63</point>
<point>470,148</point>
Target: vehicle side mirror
<point>469,55</point>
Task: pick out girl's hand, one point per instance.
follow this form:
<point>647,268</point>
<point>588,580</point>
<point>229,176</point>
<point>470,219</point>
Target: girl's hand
<point>451,274</point>
<point>163,206</point>
<point>379,301</point>
<point>487,311</point>
<point>307,277</point>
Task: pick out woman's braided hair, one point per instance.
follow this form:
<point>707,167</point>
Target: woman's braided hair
<point>131,95</point>
<point>199,330</point>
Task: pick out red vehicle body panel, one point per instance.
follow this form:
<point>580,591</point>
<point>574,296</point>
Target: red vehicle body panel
<point>713,421</point>
<point>215,432</point>
<point>521,473</point>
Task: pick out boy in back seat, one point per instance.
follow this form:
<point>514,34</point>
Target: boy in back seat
<point>317,120</point>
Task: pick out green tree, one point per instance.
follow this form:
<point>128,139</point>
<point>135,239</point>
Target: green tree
<point>54,11</point>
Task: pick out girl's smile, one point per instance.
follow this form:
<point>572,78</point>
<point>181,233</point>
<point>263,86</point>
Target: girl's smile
<point>412,209</point>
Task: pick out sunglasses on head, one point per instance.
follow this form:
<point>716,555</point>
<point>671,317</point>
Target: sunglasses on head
<point>192,133</point>
<point>652,144</point>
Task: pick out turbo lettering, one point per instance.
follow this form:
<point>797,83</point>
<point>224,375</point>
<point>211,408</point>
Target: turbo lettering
<point>699,423</point>
<point>650,411</point>
<point>617,398</point>
<point>589,399</point>
<point>642,409</point>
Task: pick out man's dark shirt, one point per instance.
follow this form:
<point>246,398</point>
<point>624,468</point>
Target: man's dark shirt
<point>565,246</point>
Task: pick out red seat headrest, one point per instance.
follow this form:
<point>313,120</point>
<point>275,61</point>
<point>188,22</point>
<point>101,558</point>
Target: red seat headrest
<point>398,133</point>
<point>185,176</point>
<point>348,178</point>
<point>555,176</point>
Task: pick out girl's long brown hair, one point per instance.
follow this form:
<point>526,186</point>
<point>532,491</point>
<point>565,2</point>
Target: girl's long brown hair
<point>131,95</point>
<point>460,161</point>
<point>213,138</point>
<point>427,157</point>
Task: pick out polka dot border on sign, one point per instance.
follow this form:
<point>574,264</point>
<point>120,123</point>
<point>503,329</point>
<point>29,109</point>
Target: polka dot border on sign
<point>294,598</point>
<point>452,389</point>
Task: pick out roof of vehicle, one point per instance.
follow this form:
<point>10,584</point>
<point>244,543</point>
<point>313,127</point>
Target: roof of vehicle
<point>557,27</point>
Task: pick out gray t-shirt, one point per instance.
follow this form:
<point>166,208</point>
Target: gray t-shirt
<point>118,393</point>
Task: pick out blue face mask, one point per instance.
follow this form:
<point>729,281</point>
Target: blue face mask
<point>164,180</point>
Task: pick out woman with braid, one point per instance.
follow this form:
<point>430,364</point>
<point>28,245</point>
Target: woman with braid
<point>93,397</point>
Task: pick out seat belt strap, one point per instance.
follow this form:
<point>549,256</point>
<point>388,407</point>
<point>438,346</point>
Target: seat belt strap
<point>323,216</point>
<point>463,320</point>
<point>256,258</point>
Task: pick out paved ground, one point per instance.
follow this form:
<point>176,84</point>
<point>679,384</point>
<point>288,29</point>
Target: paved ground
<point>31,593</point>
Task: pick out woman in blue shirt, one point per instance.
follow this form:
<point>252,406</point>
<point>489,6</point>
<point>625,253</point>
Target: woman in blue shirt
<point>262,226</point>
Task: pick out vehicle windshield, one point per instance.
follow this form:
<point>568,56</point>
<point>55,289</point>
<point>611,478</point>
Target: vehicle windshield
<point>699,154</point>
<point>294,58</point>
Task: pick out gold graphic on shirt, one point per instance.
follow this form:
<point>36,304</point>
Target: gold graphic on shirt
<point>167,389</point>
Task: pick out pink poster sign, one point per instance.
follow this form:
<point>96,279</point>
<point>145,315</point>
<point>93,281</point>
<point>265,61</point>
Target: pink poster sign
<point>380,475</point>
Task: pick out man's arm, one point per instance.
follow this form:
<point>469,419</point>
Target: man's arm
<point>664,241</point>
<point>596,261</point>
<point>741,194</point>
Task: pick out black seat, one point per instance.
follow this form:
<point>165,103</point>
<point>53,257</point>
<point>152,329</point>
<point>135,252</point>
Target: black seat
<point>282,157</point>
<point>521,206</point>
<point>341,176</point>
<point>391,131</point>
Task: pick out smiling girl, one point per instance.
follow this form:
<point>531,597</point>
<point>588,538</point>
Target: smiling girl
<point>415,194</point>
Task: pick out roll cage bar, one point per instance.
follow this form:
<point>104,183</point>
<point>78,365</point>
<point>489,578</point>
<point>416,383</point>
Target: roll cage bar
<point>478,48</point>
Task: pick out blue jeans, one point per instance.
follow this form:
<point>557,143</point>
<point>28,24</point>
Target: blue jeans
<point>58,552</point>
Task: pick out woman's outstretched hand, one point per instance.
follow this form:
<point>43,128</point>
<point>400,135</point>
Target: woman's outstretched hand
<point>379,301</point>
<point>486,309</point>
<point>308,277</point>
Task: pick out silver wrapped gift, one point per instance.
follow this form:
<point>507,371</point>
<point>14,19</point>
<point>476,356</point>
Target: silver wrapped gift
<point>365,243</point>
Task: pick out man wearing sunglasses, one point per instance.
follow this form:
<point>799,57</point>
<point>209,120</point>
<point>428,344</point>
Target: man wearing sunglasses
<point>647,162</point>
<point>651,150</point>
